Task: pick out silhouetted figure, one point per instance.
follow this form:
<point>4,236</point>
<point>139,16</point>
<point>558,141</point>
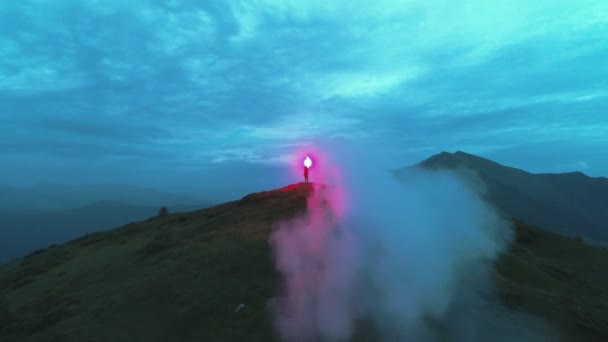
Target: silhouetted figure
<point>305,174</point>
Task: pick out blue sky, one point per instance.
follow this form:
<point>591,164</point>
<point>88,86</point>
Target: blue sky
<point>217,95</point>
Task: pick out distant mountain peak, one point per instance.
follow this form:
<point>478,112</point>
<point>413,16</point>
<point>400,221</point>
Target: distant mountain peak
<point>568,203</point>
<point>459,158</point>
<point>576,173</point>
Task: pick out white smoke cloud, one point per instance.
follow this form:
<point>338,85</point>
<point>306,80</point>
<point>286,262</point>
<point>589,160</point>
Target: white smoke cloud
<point>409,259</point>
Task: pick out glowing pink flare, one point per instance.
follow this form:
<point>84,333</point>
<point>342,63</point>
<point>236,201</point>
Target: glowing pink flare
<point>308,162</point>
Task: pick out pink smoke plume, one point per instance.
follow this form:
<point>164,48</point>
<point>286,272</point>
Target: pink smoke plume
<point>316,258</point>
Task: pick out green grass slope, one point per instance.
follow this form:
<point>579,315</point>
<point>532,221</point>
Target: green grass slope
<point>181,277</point>
<point>560,279</point>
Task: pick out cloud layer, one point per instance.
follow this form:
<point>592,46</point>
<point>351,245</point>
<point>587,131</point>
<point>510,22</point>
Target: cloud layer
<point>196,84</point>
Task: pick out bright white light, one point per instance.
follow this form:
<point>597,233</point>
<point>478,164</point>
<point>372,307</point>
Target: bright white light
<point>308,162</point>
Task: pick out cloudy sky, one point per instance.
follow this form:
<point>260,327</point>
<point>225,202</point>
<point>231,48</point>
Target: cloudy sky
<point>218,95</point>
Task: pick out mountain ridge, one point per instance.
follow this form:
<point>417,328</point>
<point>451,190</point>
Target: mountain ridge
<point>571,203</point>
<point>49,197</point>
<point>181,277</point>
<point>23,233</point>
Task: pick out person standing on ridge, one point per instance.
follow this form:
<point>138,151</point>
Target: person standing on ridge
<point>307,165</point>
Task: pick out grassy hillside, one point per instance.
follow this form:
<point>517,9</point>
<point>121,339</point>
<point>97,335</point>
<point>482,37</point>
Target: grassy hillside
<point>558,278</point>
<point>181,278</point>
